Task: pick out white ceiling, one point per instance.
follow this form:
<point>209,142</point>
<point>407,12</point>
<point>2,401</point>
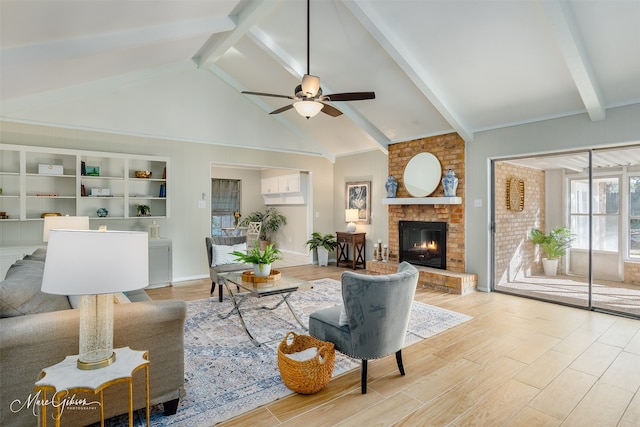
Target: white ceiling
<point>435,66</point>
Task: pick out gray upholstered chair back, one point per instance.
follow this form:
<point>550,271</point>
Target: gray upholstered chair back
<point>378,310</point>
<point>373,320</point>
<point>214,271</point>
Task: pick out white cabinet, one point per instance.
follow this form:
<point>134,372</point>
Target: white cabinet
<point>160,263</point>
<point>38,180</point>
<point>290,189</point>
<point>269,185</point>
<point>289,183</point>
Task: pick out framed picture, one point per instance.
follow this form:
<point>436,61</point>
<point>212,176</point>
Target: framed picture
<point>93,170</point>
<point>358,196</point>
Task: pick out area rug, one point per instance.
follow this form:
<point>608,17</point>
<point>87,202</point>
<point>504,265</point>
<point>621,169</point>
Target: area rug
<point>226,375</point>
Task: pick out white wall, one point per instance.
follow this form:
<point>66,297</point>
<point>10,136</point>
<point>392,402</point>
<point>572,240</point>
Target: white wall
<point>371,166</point>
<point>190,166</point>
<point>622,126</point>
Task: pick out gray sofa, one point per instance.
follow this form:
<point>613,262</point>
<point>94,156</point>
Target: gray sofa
<point>38,330</point>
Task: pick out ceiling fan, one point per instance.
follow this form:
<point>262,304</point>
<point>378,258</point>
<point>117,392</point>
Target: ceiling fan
<point>309,99</point>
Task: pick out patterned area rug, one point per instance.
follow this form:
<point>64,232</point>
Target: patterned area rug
<point>226,375</point>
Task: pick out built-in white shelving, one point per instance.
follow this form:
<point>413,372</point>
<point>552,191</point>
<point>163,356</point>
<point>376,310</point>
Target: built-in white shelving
<point>30,190</point>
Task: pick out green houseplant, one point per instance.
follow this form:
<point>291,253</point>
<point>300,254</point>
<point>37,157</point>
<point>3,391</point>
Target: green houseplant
<point>271,219</point>
<point>261,260</point>
<point>143,210</point>
<point>554,245</point>
<point>322,244</point>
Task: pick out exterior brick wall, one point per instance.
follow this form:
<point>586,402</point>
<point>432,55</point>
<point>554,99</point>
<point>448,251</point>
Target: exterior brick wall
<point>632,273</point>
<point>515,255</point>
<point>449,149</point>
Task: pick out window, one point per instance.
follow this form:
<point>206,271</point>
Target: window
<point>606,213</point>
<point>225,201</point>
<point>634,217</point>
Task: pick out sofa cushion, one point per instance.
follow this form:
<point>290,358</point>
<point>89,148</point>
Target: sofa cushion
<point>221,254</point>
<point>20,292</point>
<point>39,254</point>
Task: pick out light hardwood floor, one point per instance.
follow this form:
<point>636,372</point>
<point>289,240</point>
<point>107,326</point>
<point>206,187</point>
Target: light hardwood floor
<point>518,362</point>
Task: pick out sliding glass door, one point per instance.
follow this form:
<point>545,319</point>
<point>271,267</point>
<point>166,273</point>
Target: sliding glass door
<point>595,195</point>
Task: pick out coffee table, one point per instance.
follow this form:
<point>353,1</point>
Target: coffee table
<point>284,287</point>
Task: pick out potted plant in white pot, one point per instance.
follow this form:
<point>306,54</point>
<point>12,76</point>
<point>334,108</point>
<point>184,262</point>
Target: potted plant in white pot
<point>554,245</point>
<point>271,219</point>
<point>261,260</point>
<point>322,244</point>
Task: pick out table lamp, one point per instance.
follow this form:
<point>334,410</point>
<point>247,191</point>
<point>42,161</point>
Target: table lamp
<point>63,223</point>
<point>351,216</point>
<point>95,264</point>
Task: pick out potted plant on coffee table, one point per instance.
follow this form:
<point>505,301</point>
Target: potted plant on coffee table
<point>554,245</point>
<point>261,260</point>
<point>322,244</point>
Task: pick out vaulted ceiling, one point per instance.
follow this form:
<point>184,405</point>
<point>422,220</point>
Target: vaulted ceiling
<point>176,68</point>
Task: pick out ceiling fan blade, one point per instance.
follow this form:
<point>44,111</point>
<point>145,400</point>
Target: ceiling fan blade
<point>350,96</point>
<point>280,110</point>
<point>330,110</point>
<point>267,94</point>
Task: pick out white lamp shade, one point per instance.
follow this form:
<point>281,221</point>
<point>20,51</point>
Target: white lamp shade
<point>63,223</point>
<point>310,85</point>
<point>351,215</point>
<point>88,262</point>
<point>308,108</point>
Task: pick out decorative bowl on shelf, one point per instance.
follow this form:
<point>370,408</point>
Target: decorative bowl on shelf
<point>143,174</point>
<point>102,212</point>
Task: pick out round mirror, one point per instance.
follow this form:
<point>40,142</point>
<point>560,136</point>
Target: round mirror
<point>422,174</point>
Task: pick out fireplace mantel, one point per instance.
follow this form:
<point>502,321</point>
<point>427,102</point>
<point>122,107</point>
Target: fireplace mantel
<point>422,201</point>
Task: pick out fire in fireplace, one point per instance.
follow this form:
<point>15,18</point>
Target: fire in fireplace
<point>424,243</point>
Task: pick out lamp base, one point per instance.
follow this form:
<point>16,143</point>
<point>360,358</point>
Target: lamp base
<point>351,227</point>
<point>88,366</point>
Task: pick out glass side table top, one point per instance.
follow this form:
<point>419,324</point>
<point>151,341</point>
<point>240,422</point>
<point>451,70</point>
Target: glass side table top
<point>284,284</point>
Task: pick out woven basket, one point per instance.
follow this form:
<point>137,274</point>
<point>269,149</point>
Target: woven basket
<point>307,376</point>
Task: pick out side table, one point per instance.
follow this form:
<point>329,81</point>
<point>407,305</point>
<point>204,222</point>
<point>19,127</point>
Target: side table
<point>64,377</point>
<point>357,242</point>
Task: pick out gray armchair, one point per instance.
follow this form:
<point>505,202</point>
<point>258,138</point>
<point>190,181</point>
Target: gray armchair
<point>215,270</point>
<point>372,322</point>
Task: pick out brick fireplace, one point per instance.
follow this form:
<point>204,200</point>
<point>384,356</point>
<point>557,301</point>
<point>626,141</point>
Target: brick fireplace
<point>449,149</point>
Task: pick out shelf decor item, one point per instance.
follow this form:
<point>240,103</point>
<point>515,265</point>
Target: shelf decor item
<point>93,170</point>
<point>143,210</point>
<point>102,212</point>
<point>143,174</point>
<point>450,183</point>
<point>391,186</point>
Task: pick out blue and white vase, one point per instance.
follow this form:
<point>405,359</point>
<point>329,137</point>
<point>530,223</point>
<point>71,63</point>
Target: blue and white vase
<point>450,183</point>
<point>392,186</point>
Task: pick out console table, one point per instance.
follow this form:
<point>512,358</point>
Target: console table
<point>357,242</point>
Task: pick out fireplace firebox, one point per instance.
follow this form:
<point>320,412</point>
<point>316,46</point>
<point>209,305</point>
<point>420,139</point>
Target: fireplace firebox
<point>423,243</point>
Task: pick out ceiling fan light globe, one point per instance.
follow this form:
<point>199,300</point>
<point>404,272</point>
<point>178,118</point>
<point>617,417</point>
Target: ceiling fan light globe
<point>308,108</point>
<point>310,85</point>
